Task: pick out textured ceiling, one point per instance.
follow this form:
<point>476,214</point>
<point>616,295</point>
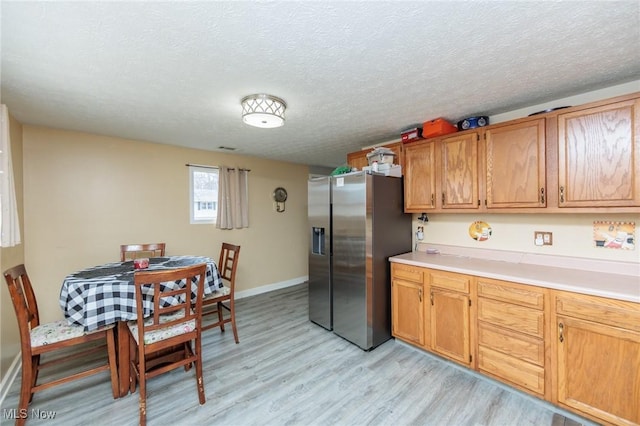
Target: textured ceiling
<point>352,73</point>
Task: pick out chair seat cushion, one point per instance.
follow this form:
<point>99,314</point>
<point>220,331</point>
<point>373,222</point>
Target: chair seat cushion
<point>163,333</point>
<point>224,291</point>
<point>58,331</point>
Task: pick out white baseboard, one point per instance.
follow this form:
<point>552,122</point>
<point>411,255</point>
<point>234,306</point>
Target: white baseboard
<point>14,369</point>
<point>270,287</point>
<point>10,377</point>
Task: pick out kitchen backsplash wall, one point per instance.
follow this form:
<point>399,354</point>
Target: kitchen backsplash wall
<point>572,234</point>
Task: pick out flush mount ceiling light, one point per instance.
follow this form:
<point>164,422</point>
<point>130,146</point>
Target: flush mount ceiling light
<point>262,110</point>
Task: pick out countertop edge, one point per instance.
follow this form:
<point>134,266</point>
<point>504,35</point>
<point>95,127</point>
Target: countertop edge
<point>619,287</point>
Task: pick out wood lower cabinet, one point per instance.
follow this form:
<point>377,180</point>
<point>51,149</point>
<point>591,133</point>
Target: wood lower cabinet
<point>408,304</point>
<point>450,315</point>
<point>577,351</point>
<point>450,325</point>
<point>511,334</point>
<point>430,309</point>
<point>597,347</point>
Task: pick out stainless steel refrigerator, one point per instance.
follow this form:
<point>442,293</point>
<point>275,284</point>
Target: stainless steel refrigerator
<point>357,222</point>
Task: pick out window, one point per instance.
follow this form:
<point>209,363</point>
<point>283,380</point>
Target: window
<point>203,194</point>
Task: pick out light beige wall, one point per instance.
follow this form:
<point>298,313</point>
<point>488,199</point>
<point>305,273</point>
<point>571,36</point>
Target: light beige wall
<point>572,233</point>
<point>87,194</point>
<point>11,256</point>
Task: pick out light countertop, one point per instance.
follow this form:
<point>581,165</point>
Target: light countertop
<point>616,280</point>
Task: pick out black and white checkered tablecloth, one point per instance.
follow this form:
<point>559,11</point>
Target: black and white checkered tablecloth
<point>105,294</point>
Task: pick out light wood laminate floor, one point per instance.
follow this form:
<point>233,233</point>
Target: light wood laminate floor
<point>289,371</point>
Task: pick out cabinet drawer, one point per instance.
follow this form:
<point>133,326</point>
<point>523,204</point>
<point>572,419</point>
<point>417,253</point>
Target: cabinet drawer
<point>407,272</point>
<point>514,317</point>
<point>451,281</point>
<point>510,292</point>
<point>617,313</point>
<point>518,345</point>
<point>513,370</point>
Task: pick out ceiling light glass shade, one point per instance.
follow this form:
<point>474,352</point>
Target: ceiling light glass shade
<point>262,110</point>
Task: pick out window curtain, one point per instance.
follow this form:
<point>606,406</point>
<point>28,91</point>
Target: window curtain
<point>9,220</point>
<point>233,198</point>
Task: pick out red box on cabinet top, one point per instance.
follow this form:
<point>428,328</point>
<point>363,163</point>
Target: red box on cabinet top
<point>437,127</point>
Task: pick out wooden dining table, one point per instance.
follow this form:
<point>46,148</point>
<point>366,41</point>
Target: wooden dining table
<point>105,294</point>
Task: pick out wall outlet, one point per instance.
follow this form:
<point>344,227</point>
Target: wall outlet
<point>543,238</point>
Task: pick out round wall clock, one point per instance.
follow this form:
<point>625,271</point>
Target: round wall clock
<point>280,196</point>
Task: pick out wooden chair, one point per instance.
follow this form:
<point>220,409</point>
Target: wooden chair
<point>59,337</point>
<point>133,251</point>
<point>168,330</point>
<point>224,298</point>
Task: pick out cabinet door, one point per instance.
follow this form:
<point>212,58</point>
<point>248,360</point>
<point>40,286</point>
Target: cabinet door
<point>420,176</point>
<point>460,172</point>
<point>398,150</point>
<point>450,325</point>
<point>599,156</point>
<point>358,159</point>
<point>599,370</point>
<point>407,310</point>
<point>515,165</point>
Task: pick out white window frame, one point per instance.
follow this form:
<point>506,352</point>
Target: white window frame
<point>193,219</point>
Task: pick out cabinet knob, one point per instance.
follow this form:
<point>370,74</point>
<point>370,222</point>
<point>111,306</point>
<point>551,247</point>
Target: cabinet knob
<point>420,295</point>
<point>541,195</point>
<point>433,196</point>
<point>561,332</point>
<point>562,194</point>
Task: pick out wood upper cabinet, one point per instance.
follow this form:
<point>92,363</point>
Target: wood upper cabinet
<point>420,176</point>
<point>599,156</point>
<point>597,344</point>
<point>408,303</point>
<point>459,177</point>
<point>515,165</point>
<point>358,159</point>
<point>564,161</point>
<point>450,315</point>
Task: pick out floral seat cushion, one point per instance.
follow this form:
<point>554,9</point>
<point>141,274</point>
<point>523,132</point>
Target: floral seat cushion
<point>58,331</point>
<point>163,333</point>
<point>224,291</point>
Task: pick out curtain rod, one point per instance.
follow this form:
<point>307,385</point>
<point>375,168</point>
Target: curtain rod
<point>214,167</point>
